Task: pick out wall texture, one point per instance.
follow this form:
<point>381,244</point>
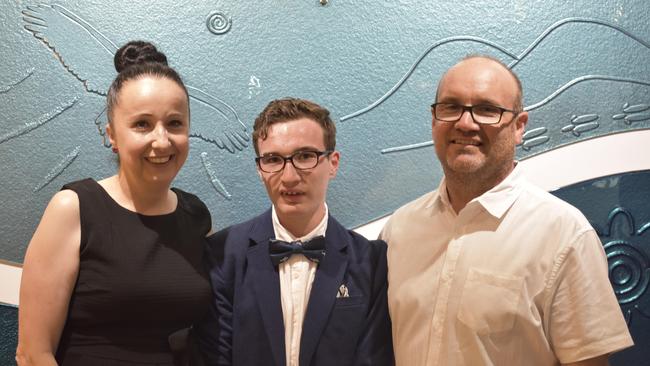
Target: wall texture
<point>617,207</point>
<point>584,67</point>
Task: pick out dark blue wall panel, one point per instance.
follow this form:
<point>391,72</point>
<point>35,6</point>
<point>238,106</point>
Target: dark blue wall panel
<point>618,207</point>
<point>8,334</point>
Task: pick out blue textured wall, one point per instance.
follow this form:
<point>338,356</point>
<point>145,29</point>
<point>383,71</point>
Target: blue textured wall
<point>585,69</point>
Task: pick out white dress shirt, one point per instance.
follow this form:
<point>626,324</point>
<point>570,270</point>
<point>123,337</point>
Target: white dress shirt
<point>296,277</point>
<point>517,277</point>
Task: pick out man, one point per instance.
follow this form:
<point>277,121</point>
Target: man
<point>324,305</point>
<point>488,269</point>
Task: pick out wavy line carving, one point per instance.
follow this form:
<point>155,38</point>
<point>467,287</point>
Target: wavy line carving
<point>6,88</point>
<point>417,62</point>
<point>581,79</point>
<point>516,60</point>
<point>43,119</point>
<point>59,168</point>
<point>562,22</point>
<point>418,145</point>
<point>555,94</point>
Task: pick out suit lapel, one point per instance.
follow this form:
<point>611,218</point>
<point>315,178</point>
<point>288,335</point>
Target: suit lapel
<point>329,277</point>
<point>266,284</point>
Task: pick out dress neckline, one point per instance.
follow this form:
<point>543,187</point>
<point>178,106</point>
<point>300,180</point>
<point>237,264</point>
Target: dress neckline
<point>115,203</point>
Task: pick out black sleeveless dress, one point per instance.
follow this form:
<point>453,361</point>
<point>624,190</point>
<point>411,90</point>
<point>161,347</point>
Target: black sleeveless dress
<point>141,278</point>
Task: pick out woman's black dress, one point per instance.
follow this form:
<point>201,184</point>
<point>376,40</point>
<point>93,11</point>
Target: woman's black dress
<point>141,278</point>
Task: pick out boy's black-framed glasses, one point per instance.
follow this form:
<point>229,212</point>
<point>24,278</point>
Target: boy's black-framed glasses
<point>301,160</point>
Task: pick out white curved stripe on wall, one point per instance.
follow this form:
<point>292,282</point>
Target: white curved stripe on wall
<point>589,159</point>
<point>9,283</point>
<point>551,170</point>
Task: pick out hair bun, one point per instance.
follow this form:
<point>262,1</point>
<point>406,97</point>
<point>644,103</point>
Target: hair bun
<point>137,53</point>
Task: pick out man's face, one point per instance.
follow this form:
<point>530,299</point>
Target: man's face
<point>298,194</point>
<point>465,147</point>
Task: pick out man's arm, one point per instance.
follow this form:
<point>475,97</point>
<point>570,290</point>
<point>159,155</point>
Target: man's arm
<point>375,347</point>
<point>586,321</point>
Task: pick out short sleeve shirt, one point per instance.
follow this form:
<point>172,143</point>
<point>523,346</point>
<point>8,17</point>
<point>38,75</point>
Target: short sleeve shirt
<point>517,277</point>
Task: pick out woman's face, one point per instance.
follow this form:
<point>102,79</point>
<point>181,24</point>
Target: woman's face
<point>150,129</point>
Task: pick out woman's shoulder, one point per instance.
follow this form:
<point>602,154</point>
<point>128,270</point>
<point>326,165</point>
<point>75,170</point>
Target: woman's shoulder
<point>65,200</point>
<point>62,211</point>
<point>189,201</point>
<point>85,183</point>
<point>193,205</point>
<point>87,189</point>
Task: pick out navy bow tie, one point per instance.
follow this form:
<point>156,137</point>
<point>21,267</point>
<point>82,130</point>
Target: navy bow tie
<point>313,249</point>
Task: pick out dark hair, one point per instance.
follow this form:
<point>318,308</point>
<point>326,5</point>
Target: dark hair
<point>518,102</point>
<point>135,60</point>
<point>289,109</point>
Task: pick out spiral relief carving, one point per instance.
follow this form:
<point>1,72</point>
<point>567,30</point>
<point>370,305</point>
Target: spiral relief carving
<point>628,270</point>
<point>628,261</point>
<point>218,23</point>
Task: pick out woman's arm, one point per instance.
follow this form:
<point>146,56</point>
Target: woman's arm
<point>49,275</point>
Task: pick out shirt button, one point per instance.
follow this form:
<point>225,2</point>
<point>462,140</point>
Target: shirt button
<point>296,275</point>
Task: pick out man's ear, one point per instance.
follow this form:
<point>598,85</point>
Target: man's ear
<point>334,163</point>
<point>520,126</point>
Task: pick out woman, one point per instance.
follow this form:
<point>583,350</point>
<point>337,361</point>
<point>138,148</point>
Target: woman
<point>115,266</point>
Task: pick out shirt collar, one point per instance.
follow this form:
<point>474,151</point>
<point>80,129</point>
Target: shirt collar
<point>499,199</point>
<point>496,201</point>
<point>439,198</point>
<point>282,233</point>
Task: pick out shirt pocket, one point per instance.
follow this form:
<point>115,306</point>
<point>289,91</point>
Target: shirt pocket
<point>489,301</point>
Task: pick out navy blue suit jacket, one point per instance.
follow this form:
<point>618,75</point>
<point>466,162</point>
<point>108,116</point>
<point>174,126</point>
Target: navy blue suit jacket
<point>245,326</point>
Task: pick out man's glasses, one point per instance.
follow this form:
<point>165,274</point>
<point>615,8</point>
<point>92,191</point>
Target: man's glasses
<point>301,160</point>
<point>486,114</point>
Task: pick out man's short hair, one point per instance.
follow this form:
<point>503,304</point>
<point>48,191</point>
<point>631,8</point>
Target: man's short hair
<point>289,109</point>
<point>518,102</point>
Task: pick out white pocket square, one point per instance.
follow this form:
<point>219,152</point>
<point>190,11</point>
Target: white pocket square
<point>343,292</point>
